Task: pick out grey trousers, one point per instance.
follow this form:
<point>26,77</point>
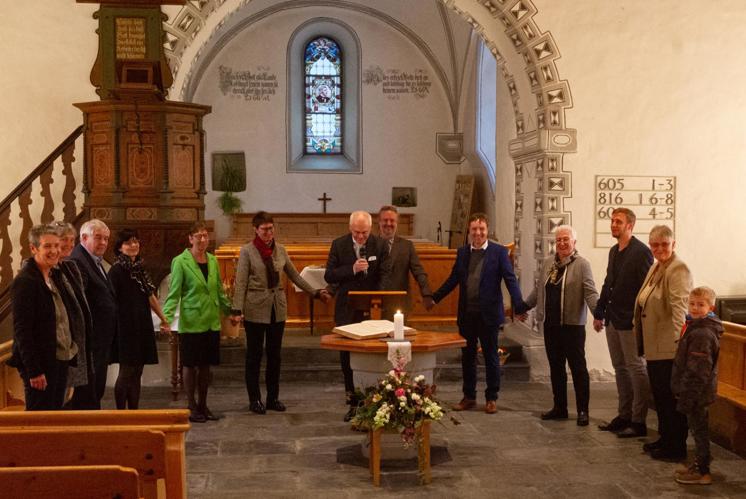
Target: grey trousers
<point>632,382</point>
<point>698,426</point>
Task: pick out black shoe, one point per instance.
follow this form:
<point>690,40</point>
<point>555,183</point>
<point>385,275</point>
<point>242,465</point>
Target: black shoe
<point>616,424</point>
<point>554,414</point>
<point>350,413</point>
<point>651,446</point>
<point>257,407</point>
<point>666,454</point>
<point>196,416</point>
<point>209,415</point>
<point>634,430</point>
<point>275,405</point>
<point>583,418</point>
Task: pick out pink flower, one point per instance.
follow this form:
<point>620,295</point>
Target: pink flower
<point>399,392</point>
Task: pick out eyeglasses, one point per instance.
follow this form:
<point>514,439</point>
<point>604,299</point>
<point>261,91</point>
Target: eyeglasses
<point>202,236</point>
<point>271,228</point>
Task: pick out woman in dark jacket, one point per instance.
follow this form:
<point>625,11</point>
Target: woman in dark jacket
<point>135,345</point>
<point>80,375</point>
<point>43,346</point>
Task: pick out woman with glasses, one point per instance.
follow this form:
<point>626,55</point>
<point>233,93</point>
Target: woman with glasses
<point>197,290</point>
<point>260,297</point>
<point>135,344</point>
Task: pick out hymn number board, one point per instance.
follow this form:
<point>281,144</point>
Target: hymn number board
<point>652,198</point>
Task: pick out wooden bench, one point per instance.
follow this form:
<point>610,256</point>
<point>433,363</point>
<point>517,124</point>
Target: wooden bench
<point>728,413</point>
<point>81,482</point>
<point>142,450</point>
<point>172,423</point>
<point>422,439</point>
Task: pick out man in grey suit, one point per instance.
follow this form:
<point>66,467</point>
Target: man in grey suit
<point>403,258</point>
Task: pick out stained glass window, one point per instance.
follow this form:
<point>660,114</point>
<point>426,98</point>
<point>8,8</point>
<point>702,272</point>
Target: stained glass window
<point>323,69</point>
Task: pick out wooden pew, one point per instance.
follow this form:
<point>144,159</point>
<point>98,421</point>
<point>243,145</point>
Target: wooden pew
<point>81,482</point>
<point>142,450</point>
<point>173,423</point>
<point>436,260</point>
<point>728,413</point>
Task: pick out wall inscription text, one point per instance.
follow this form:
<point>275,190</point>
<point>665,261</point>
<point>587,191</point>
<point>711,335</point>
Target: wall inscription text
<point>256,86</point>
<point>397,82</point>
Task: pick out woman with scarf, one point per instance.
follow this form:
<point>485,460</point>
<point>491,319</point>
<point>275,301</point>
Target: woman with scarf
<point>564,289</point>
<point>135,343</point>
<point>260,297</point>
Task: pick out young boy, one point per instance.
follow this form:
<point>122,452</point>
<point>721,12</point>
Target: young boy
<point>694,378</point>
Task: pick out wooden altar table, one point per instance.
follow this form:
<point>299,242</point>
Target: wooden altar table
<point>368,358</point>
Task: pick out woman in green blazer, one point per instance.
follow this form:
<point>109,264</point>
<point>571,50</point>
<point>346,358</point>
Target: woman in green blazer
<point>197,290</point>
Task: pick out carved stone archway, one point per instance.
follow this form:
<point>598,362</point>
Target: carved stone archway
<point>526,56</point>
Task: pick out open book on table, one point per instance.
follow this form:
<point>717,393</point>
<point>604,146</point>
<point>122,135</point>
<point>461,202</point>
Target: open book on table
<point>367,330</point>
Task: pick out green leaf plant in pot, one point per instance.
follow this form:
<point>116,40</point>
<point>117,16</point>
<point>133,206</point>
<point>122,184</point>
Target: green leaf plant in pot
<point>229,176</point>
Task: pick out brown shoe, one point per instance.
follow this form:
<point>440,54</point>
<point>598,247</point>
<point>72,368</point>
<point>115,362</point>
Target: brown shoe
<point>465,404</point>
<point>490,407</point>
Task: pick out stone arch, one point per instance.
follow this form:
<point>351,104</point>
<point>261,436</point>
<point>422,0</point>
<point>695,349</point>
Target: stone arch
<point>542,137</point>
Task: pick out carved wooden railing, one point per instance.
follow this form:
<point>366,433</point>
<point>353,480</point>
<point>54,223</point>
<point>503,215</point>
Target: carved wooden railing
<point>38,200</point>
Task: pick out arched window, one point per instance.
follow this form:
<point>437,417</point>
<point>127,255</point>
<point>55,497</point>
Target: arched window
<point>324,99</point>
<point>322,61</point>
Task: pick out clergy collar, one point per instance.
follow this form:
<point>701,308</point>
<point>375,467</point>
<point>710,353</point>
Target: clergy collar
<point>482,247</point>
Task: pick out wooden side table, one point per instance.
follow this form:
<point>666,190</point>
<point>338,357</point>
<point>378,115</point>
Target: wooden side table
<point>422,437</point>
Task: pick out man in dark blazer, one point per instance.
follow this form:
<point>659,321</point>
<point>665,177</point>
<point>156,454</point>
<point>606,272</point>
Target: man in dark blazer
<point>88,255</point>
<point>404,259</point>
<point>478,271</point>
<point>357,262</point>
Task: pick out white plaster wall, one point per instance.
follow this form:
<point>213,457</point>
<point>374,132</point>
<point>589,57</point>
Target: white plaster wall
<point>655,87</point>
<point>398,135</point>
<point>47,51</point>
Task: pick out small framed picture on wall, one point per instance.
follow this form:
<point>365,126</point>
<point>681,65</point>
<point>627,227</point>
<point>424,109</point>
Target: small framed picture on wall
<point>404,197</point>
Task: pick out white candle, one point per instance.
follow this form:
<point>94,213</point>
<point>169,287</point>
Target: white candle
<point>398,326</point>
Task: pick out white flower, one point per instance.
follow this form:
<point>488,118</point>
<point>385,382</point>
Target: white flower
<point>402,404</point>
<point>415,397</point>
<point>419,378</point>
<point>392,373</point>
<point>389,387</point>
<point>402,398</point>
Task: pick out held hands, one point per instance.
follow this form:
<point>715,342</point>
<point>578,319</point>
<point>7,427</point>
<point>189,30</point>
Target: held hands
<point>598,325</point>
<point>165,328</point>
<point>324,295</point>
<point>360,265</point>
<point>39,382</point>
<point>428,302</point>
<point>236,319</point>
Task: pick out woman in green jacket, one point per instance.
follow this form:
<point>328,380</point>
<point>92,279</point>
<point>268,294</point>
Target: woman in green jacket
<point>197,290</point>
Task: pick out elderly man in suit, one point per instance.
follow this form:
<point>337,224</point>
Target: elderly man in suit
<point>403,258</point>
<point>88,255</point>
<point>357,261</point>
<point>478,271</point>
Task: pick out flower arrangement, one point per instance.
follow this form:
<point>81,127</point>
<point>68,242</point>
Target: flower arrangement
<point>398,403</point>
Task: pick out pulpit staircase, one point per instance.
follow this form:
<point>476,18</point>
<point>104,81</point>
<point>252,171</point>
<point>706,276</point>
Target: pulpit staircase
<point>54,190</point>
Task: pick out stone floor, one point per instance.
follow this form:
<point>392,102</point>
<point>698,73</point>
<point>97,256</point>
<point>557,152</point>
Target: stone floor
<point>308,451</point>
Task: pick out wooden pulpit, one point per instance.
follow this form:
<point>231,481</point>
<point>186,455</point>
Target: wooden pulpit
<point>374,302</point>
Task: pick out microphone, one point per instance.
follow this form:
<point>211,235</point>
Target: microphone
<point>364,255</point>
